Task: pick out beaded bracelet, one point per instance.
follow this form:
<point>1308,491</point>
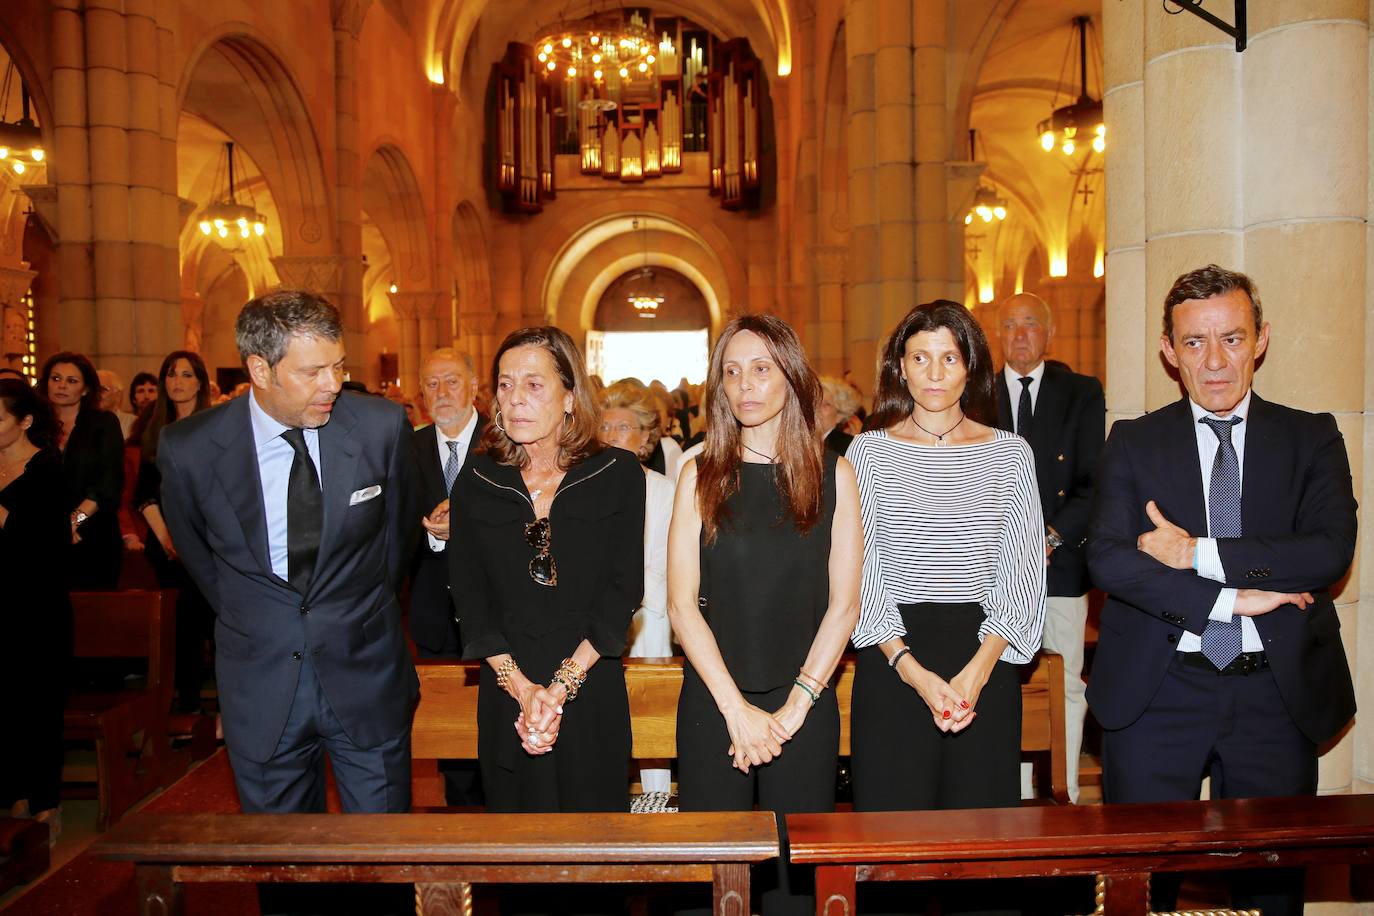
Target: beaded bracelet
<point>807,690</point>
<point>504,671</point>
<point>560,678</point>
<point>815,682</point>
<point>571,675</point>
<point>897,656</point>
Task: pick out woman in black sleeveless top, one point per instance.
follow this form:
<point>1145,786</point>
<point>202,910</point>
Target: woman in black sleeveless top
<point>764,557</point>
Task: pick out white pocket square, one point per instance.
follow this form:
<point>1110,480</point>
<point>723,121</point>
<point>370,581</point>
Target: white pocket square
<point>366,493</point>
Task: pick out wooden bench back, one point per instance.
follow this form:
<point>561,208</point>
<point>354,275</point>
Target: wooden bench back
<point>132,624</point>
<point>445,724</point>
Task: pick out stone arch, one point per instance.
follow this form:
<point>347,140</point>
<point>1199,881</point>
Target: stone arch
<point>238,82</point>
<point>472,279</point>
<point>391,197</point>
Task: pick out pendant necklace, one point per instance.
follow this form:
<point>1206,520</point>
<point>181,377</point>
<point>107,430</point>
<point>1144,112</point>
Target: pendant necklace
<point>939,437</point>
<point>769,458</point>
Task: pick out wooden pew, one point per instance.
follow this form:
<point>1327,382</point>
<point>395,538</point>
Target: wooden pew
<point>128,727</point>
<point>441,853</point>
<point>1120,844</point>
<point>445,725</point>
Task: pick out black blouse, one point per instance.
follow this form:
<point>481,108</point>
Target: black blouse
<point>765,586</point>
<point>596,540</point>
<point>93,461</point>
<point>37,535</point>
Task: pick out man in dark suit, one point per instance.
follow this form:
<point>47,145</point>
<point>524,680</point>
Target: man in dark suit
<point>1221,523</point>
<point>295,509</point>
<point>447,385</point>
<point>1063,416</point>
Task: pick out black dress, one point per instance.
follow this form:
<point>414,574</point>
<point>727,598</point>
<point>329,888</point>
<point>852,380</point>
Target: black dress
<point>597,543</point>
<point>36,623</point>
<point>765,588</point>
<point>195,619</point>
<point>93,465</point>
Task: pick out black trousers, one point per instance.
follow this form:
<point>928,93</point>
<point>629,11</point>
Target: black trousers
<point>195,625</point>
<point>902,762</point>
<point>1235,729</point>
<point>801,780</point>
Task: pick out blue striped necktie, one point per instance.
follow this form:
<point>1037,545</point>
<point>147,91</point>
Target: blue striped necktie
<point>1221,642</point>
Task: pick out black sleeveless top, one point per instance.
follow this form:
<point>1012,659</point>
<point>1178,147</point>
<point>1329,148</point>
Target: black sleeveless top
<point>764,585</point>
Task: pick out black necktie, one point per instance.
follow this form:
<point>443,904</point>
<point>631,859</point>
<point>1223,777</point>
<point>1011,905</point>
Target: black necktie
<point>1023,409</point>
<point>304,514</point>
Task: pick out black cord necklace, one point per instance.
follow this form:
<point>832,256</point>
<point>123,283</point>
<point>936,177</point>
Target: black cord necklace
<point>939,437</point>
<point>770,458</point>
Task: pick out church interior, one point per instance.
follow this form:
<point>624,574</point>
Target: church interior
<point>446,171</point>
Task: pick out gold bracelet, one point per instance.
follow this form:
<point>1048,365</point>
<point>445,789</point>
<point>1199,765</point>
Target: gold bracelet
<point>572,676</point>
<point>504,671</point>
<point>561,679</point>
<point>576,670</point>
<point>816,682</point>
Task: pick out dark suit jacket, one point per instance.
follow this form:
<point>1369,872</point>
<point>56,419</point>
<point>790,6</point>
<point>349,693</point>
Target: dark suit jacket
<point>1298,515</point>
<point>432,623</point>
<point>349,617</point>
<point>1066,438</point>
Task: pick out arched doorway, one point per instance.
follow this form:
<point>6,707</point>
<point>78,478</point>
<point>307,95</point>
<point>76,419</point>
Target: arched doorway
<point>650,323</point>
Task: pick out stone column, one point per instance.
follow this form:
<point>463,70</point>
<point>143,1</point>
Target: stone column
<point>116,344</point>
<point>933,226</point>
<point>443,106</point>
<point>415,313</point>
<point>174,210</point>
<point>1219,148</point>
<point>477,335</point>
<point>69,170</point>
<point>317,274</point>
<point>862,294</point>
<point>895,134</point>
<point>828,264</point>
<point>348,18</point>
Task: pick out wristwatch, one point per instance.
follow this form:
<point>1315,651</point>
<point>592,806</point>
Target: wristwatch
<point>78,517</point>
<point>1053,539</point>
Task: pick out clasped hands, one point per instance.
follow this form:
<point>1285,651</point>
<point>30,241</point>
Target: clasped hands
<point>951,703</point>
<point>756,736</point>
<point>437,523</point>
<point>1176,548</point>
<point>541,716</point>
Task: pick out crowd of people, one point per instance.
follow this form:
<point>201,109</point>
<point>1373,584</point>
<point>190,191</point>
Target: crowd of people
<point>747,524</point>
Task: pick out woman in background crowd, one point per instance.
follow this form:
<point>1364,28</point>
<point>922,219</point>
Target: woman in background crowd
<point>35,624</point>
<point>183,389</point>
<point>630,421</point>
<point>763,590</point>
<point>953,581</point>
<point>92,464</point>
<point>838,406</point>
<point>551,574</point>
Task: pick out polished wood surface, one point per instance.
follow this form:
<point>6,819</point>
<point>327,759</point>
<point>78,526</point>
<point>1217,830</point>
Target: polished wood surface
<point>745,836</point>
<point>1082,831</point>
<point>1123,844</point>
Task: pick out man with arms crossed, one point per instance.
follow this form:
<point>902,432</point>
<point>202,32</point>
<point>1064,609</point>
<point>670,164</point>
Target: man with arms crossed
<point>1063,416</point>
<point>295,508</point>
<point>1221,522</point>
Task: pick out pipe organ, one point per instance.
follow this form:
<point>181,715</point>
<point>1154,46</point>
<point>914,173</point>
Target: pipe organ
<point>524,132</point>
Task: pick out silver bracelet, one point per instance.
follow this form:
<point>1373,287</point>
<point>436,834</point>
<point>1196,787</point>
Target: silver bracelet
<point>897,656</point>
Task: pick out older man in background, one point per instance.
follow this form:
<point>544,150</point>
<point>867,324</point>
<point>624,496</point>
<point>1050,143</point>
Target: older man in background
<point>112,399</point>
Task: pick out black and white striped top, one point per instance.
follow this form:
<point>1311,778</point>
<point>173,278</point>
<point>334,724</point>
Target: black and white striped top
<point>951,524</point>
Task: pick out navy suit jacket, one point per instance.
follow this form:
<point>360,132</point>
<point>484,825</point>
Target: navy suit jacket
<point>1066,438</point>
<point>432,624</point>
<point>349,618</point>
<point>1298,515</point>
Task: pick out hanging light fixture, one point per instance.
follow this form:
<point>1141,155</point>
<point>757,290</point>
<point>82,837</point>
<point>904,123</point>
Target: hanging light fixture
<point>227,221</point>
<point>598,45</point>
<point>21,140</point>
<point>1074,127</point>
<point>987,204</point>
<point>644,297</point>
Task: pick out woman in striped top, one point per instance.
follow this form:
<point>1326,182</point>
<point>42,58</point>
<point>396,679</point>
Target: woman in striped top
<point>953,591</point>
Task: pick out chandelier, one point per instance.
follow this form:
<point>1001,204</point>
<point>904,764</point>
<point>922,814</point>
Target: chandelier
<point>987,205</point>
<point>598,46</point>
<point>644,297</point>
<point>1079,123</point>
<point>21,141</point>
<point>227,221</point>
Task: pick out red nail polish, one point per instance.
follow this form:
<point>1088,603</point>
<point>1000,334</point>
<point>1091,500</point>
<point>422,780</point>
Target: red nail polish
<point>945,714</point>
<point>964,704</point>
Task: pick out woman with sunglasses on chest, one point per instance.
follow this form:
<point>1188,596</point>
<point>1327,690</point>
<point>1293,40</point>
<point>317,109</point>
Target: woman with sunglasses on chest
<point>548,570</point>
<point>764,555</point>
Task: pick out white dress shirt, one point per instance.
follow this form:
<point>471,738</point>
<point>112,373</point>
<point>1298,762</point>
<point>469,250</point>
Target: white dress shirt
<point>1014,388</point>
<point>275,455</point>
<point>1208,558</point>
<point>651,636</point>
<point>464,440</point>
